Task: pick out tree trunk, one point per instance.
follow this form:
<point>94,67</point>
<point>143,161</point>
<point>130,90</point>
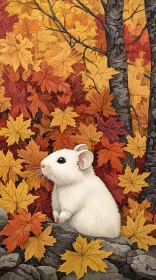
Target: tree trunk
<point>150,165</point>
<point>117,60</point>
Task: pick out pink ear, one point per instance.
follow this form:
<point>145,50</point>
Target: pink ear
<point>81,147</point>
<point>85,159</point>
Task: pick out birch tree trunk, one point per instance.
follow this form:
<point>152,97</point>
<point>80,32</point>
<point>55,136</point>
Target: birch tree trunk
<point>117,60</point>
<point>150,165</point>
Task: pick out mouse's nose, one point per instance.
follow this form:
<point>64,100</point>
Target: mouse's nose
<point>42,165</point>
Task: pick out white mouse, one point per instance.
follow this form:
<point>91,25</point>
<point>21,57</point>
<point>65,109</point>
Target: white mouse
<point>79,197</point>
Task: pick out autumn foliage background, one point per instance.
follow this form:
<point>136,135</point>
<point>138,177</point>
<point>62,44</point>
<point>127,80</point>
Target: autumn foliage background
<point>54,94</point>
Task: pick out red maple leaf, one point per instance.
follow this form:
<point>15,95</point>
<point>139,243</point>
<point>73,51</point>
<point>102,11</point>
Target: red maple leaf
<point>77,88</point>
<point>111,128</point>
<point>47,80</point>
<point>6,21</point>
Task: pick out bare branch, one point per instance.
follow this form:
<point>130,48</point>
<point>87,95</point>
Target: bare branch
<point>103,4</point>
<point>95,87</point>
<point>135,112</point>
<point>94,15</point>
<point>66,34</point>
<point>134,12</point>
<point>147,76</point>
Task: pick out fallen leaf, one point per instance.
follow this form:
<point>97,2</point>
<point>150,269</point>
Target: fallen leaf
<point>85,255</point>
<point>47,80</point>
<point>138,232</point>
<point>4,101</point>
<point>16,51</point>
<point>35,245</point>
<point>12,198</point>
<point>32,158</point>
<point>87,135</point>
<point>77,88</point>
<point>132,181</point>
<point>101,103</point>
<point>136,145</point>
<point>136,207</point>
<point>111,128</point>
<point>16,129</point>
<point>39,101</point>
<point>62,140</point>
<point>63,118</point>
<point>112,152</point>
<point>26,27</point>
<point>9,167</point>
<point>18,229</point>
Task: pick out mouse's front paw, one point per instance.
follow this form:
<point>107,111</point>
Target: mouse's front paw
<point>56,215</point>
<point>64,216</point>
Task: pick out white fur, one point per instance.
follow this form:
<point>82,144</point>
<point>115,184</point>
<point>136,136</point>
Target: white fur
<point>79,197</point>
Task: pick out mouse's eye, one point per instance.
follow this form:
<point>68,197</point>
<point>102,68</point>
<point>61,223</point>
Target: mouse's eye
<point>61,160</point>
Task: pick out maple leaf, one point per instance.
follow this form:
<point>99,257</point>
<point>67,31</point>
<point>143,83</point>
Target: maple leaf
<point>32,157</point>
<point>136,146</point>
<point>35,245</point>
<point>39,101</point>
<point>62,140</point>
<point>132,181</point>
<point>111,152</point>
<point>20,7</point>
<point>18,229</point>
<point>83,256</point>
<point>111,128</point>
<point>42,38</point>
<point>16,129</point>
<point>4,101</point>
<point>15,51</point>
<point>77,88</point>
<point>6,20</point>
<point>138,232</point>
<point>142,111</point>
<point>63,118</point>
<point>101,103</point>
<point>13,198</point>
<point>9,167</point>
<point>18,100</point>
<point>135,208</point>
<point>88,135</point>
<point>99,72</point>
<point>101,35</point>
<point>62,63</point>
<point>47,80</point>
<point>26,27</point>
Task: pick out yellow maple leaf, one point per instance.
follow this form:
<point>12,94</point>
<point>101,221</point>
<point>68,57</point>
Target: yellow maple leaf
<point>14,198</point>
<point>135,208</point>
<point>16,130</point>
<point>136,146</point>
<point>84,255</point>
<point>43,38</point>
<point>136,89</point>
<point>99,72</point>
<point>32,158</point>
<point>88,135</point>
<point>134,10</point>
<point>9,167</point>
<point>19,7</point>
<point>138,232</point>
<point>35,245</point>
<point>62,63</point>
<point>132,181</point>
<point>63,118</point>
<point>15,51</point>
<point>4,101</point>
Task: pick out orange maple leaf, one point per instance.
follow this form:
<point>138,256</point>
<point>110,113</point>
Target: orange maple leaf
<point>39,101</point>
<point>47,80</point>
<point>62,140</point>
<point>101,103</point>
<point>32,157</point>
<point>18,229</point>
<point>112,152</point>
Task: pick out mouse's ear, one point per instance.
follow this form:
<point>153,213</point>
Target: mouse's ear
<point>85,159</point>
<point>80,147</point>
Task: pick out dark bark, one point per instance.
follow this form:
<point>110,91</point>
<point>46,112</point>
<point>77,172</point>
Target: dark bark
<point>150,165</point>
<point>117,60</point>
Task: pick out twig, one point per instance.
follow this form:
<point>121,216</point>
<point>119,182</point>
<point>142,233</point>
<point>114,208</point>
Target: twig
<point>94,15</point>
<point>93,83</point>
<point>139,124</point>
<point>134,12</point>
<point>139,36</point>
